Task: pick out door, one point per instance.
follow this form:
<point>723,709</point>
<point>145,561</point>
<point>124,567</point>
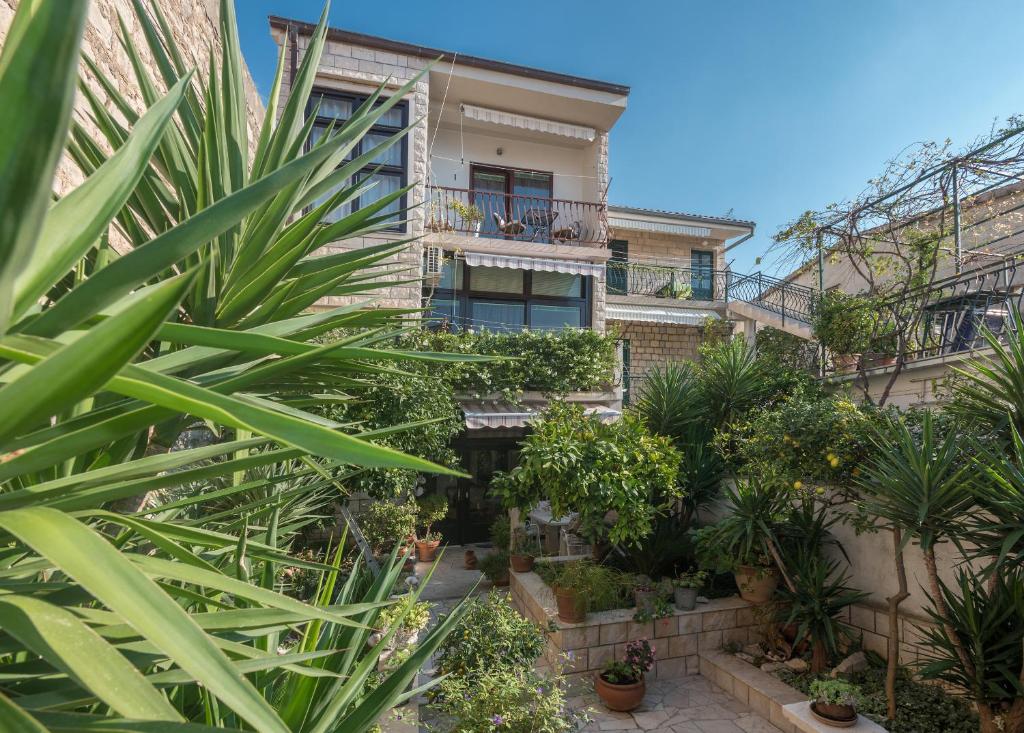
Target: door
<point>515,196</point>
<point>472,506</point>
<point>702,277</point>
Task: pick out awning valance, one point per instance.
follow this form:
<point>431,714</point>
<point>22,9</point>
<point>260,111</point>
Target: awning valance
<point>506,415</point>
<point>574,267</point>
<point>525,122</point>
<point>658,314</point>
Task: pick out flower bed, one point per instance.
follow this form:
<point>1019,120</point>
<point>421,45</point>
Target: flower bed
<point>602,636</point>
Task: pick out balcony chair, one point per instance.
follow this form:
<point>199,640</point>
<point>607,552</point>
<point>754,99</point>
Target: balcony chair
<point>568,234</point>
<point>541,220</point>
<point>511,228</point>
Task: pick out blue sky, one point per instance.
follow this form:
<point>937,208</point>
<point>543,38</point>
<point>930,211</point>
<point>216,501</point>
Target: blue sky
<point>760,108</point>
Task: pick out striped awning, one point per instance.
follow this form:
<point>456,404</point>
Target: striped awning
<point>659,314</point>
<point>525,122</point>
<point>488,414</point>
<point>573,267</point>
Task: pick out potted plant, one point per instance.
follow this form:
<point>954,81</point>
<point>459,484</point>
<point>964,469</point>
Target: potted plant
<point>436,222</point>
<point>686,587</point>
<point>417,616</point>
<point>470,214</point>
<point>745,541</point>
<point>429,509</point>
<point>843,323</point>
<point>572,586</point>
<point>834,702</point>
<point>525,550</point>
<point>645,593</point>
<point>386,523</point>
<point>620,685</point>
<point>495,568</point>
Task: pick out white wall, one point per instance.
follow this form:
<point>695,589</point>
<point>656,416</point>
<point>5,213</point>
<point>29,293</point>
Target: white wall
<point>567,163</point>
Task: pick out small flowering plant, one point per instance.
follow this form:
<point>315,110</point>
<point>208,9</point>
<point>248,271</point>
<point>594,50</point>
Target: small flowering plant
<point>638,661</point>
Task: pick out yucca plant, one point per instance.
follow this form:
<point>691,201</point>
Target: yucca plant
<point>168,619</point>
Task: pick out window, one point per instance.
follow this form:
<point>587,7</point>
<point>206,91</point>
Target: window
<point>334,109</point>
<point>504,299</point>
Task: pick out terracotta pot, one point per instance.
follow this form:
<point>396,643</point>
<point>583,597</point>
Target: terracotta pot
<point>620,698</point>
<point>686,599</point>
<point>522,563</point>
<point>645,600</point>
<point>426,550</point>
<point>836,716</point>
<point>756,585</point>
<point>470,560</point>
<point>572,608</point>
<point>846,362</point>
<point>502,581</point>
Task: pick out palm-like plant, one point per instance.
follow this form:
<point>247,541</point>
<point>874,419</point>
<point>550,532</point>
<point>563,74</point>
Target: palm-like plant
<point>136,621</point>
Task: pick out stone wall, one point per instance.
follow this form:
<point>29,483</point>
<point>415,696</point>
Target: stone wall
<point>586,647</point>
<point>194,24</point>
<point>659,246</point>
<point>346,67</point>
<point>651,344</point>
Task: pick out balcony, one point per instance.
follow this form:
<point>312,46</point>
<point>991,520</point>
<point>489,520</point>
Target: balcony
<point>516,217</point>
<point>666,281</point>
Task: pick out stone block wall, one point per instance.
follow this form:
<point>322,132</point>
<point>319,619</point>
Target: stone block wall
<point>670,248</point>
<point>871,624</point>
<point>584,648</point>
<point>194,25</point>
<point>347,67</point>
<point>651,344</point>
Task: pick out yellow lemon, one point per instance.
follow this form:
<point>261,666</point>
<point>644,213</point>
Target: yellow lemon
<point>798,485</point>
<point>820,491</point>
<point>834,463</point>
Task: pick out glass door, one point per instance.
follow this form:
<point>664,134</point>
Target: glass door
<point>522,197</point>
<point>488,195</point>
<point>702,277</point>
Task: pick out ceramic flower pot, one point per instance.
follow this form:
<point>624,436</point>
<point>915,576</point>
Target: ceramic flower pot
<point>756,585</point>
<point>836,716</point>
<point>522,563</point>
<point>470,560</point>
<point>645,600</point>
<point>426,550</point>
<point>572,609</point>
<point>686,599</point>
<point>501,581</point>
<point>620,698</point>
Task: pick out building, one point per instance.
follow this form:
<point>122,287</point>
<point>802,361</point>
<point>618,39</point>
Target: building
<point>511,223</point>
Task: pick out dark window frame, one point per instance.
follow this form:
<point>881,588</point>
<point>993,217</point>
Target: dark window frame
<point>402,170</point>
<point>465,295</point>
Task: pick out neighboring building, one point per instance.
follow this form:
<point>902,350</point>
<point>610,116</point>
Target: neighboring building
<point>512,226</point>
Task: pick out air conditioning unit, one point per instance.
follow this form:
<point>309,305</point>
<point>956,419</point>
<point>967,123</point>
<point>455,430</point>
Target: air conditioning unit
<point>434,262</point>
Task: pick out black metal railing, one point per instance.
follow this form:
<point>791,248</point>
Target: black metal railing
<point>666,281</point>
<point>790,301</point>
<point>512,216</point>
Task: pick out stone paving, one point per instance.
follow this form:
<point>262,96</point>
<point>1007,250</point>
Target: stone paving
<point>688,704</point>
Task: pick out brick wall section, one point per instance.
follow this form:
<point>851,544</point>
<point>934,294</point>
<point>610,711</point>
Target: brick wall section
<point>651,344</point>
<point>346,67</point>
<point>194,25</point>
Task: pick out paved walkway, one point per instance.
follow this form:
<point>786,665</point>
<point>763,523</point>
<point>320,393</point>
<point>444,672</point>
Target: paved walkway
<point>680,705</point>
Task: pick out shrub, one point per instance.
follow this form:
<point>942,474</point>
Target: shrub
<point>834,692</point>
<point>507,700</point>
<point>385,523</point>
<point>430,510</point>
<point>494,566</point>
<point>843,323</point>
<point>585,466</point>
<point>490,636</point>
<point>417,614</point>
<point>572,360</point>
<point>603,587</point>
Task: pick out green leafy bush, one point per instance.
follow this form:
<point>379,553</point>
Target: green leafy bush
<point>516,700</point>
<point>844,323</point>
<point>582,465</point>
<point>431,509</point>
<point>808,436</point>
<point>921,708</point>
<point>604,588</point>
<point>490,636</point>
<point>573,360</point>
<point>385,523</point>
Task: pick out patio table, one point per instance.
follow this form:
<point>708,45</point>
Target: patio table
<point>552,526</point>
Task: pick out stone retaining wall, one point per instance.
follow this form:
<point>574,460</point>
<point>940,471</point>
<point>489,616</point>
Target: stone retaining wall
<point>586,647</point>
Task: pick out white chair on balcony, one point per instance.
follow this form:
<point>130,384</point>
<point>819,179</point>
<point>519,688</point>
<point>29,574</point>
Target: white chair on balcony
<point>511,228</point>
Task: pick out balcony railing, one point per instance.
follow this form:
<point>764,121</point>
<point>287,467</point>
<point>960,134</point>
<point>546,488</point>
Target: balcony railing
<point>516,217</point>
<point>791,301</point>
<point>666,281</point>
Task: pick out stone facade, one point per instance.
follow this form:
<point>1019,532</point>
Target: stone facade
<point>194,25</point>
<point>662,247</point>
<point>346,67</point>
<point>651,344</point>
